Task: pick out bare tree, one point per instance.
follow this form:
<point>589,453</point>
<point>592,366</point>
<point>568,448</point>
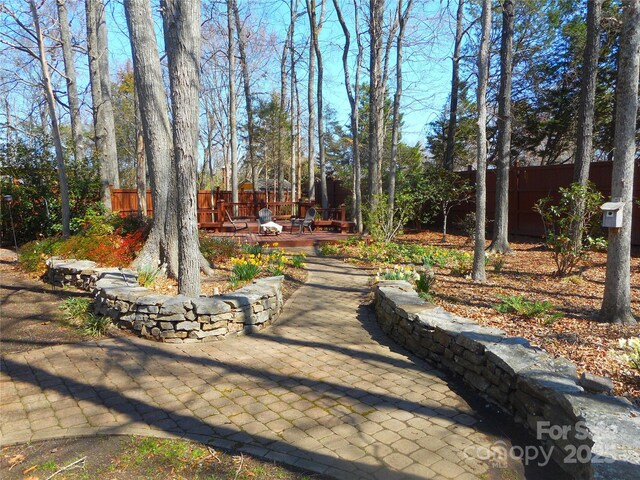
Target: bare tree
<point>246,83</point>
<point>51,104</point>
<point>233,129</point>
<point>354,99</point>
<point>616,303</point>
<point>311,149</point>
<point>376,99</point>
<point>293,6</point>
<point>315,33</point>
<point>402,18</point>
<point>455,89</point>
<point>104,129</point>
<point>181,20</point>
<point>586,111</point>
<point>70,77</point>
<point>141,161</point>
<point>478,273</point>
<point>500,242</point>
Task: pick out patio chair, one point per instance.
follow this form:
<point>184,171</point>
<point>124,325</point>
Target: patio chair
<point>266,225</point>
<point>237,226</point>
<point>307,221</point>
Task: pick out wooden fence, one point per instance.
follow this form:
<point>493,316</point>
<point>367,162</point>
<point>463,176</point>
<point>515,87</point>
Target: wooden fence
<point>529,184</point>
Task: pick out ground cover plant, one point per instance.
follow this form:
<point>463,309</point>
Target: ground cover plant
<point>566,307</point>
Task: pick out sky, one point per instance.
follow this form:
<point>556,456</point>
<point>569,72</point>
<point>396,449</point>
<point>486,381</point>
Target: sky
<point>426,66</point>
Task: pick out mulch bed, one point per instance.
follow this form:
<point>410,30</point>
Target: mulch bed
<point>529,272</point>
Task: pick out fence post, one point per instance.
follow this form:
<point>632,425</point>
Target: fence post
<point>343,212</point>
<point>220,207</point>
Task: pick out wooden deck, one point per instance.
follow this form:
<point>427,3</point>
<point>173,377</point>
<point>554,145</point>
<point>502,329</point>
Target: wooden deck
<point>285,239</point>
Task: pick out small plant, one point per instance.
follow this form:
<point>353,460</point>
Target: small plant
<point>275,270</point>
<point>498,262</point>
<point>329,249</point>
<point>527,308</point>
<point>252,249</point>
<point>398,273</point>
<point>424,283</point>
<point>297,260</point>
<point>96,325</point>
<point>219,249</point>
<point>631,349</point>
<point>248,268</point>
<point>76,309</point>
<point>147,274</point>
<point>463,265</point>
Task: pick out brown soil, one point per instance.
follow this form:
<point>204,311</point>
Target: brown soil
<point>133,458</point>
<point>529,272</point>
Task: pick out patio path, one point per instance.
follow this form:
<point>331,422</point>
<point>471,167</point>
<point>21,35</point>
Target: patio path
<point>322,389</point>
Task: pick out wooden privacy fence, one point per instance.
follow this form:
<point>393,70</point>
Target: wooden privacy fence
<point>529,184</point>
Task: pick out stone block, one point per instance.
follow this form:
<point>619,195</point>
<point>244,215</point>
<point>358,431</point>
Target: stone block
<point>177,304</point>
<point>209,306</point>
<point>187,326</point>
<point>596,383</point>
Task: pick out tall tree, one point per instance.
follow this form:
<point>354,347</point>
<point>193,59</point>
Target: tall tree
<point>376,99</point>
<point>246,84</point>
<point>402,18</point>
<point>478,273</point>
<point>181,19</point>
<point>616,303</point>
<point>500,242</point>
<point>353,93</point>
<point>293,7</point>
<point>70,74</point>
<point>104,128</point>
<point>586,111</point>
<point>311,149</point>
<point>162,243</point>
<point>55,129</point>
<point>455,89</point>
<point>233,130</point>
<point>141,161</point>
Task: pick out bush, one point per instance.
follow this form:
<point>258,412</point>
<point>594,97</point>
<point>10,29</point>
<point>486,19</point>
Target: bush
<point>384,227</point>
<point>96,325</point>
<point>526,308</point>
<point>297,260</point>
<point>219,249</point>
<point>76,309</point>
<point>559,221</point>
<point>33,255</point>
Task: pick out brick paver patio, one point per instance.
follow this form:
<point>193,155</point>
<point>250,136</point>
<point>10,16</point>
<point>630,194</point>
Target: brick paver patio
<point>322,389</point>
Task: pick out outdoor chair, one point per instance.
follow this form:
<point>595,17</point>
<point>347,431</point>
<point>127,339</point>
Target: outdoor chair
<point>237,226</point>
<point>307,221</point>
<point>266,225</point>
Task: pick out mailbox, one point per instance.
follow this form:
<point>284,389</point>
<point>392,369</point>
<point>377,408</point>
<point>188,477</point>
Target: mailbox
<point>612,214</point>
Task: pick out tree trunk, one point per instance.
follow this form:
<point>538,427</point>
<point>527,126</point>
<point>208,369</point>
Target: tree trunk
<point>321,143</point>
<point>141,162</point>
<point>376,100</point>
<point>586,112</point>
<point>101,108</point>
<point>354,99</point>
<point>246,83</point>
<point>500,242</point>
<point>449,163</point>
<point>72,85</point>
<point>403,17</point>
<point>293,5</point>
<point>311,103</point>
<point>157,135</point>
<point>282,116</point>
<point>616,303</point>
<point>233,129</point>
<point>111,151</point>
<point>181,19</point>
<point>55,130</point>
<point>478,273</point>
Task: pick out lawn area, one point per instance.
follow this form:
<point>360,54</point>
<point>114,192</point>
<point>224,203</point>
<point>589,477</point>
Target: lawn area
<point>563,326</point>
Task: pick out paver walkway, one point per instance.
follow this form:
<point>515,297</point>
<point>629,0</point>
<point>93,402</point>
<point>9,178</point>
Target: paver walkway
<point>322,389</point>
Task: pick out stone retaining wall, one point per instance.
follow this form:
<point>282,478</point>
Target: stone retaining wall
<point>171,319</point>
<point>600,436</point>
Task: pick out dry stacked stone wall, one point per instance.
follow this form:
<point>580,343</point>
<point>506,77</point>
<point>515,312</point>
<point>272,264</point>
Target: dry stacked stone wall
<point>170,319</point>
<point>589,435</point>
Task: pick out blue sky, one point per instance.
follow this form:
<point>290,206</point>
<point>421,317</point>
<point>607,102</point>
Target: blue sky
<point>427,66</point>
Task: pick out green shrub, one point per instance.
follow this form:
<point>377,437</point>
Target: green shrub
<point>76,309</point>
<point>424,283</point>
<point>275,270</point>
<point>631,348</point>
<point>96,325</point>
<point>244,269</point>
<point>32,255</point>
<point>559,221</point>
<point>463,265</point>
<point>526,308</point>
<point>498,261</point>
<point>329,249</point>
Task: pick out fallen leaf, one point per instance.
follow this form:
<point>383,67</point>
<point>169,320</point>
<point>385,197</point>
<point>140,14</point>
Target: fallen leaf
<point>16,459</point>
<point>30,469</point>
